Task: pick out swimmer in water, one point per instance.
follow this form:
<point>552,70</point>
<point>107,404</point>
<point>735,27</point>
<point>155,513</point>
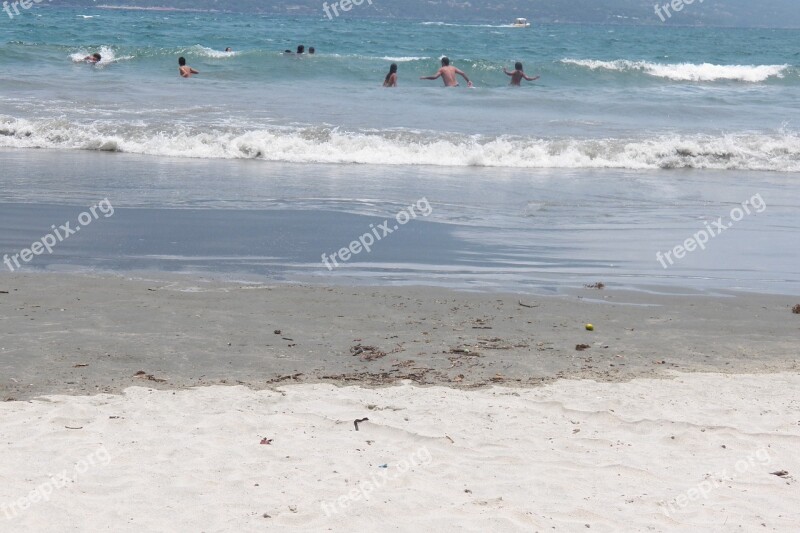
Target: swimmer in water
<point>185,70</point>
<point>448,75</point>
<point>94,58</point>
<point>391,78</point>
<point>518,75</point>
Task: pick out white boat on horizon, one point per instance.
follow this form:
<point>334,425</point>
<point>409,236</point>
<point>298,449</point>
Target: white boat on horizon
<point>521,23</point>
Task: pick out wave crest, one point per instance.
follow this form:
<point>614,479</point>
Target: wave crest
<point>687,71</point>
<point>204,51</point>
<point>108,54</point>
<point>778,152</point>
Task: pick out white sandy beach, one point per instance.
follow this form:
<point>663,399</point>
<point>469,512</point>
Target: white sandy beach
<point>691,453</point>
<point>281,296</point>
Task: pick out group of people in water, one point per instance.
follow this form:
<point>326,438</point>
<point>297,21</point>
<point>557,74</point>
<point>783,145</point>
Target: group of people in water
<point>301,49</point>
<point>187,71</point>
<point>447,72</point>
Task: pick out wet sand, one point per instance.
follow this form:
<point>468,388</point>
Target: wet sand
<point>252,407</point>
<point>83,334</point>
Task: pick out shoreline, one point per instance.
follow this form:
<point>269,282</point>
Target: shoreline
<point>86,334</point>
<point>501,230</point>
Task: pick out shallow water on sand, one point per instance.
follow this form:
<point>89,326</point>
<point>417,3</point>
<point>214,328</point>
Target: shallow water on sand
<point>487,229</point>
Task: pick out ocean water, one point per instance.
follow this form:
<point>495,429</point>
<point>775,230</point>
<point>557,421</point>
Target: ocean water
<point>630,142</point>
<point>608,97</point>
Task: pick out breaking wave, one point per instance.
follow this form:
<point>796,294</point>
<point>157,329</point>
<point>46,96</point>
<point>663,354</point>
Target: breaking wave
<point>778,152</point>
<point>706,72</point>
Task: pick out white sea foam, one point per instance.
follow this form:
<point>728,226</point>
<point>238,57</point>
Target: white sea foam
<point>204,51</point>
<point>107,54</point>
<point>687,71</point>
<point>404,59</point>
<point>779,152</point>
<point>467,25</point>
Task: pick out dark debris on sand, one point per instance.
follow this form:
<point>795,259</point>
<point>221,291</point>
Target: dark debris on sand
<point>141,374</point>
<point>367,353</point>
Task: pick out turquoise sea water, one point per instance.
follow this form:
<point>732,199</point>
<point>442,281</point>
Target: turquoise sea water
<point>608,97</point>
<point>632,140</point>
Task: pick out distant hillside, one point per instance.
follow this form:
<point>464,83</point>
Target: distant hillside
<point>762,13</point>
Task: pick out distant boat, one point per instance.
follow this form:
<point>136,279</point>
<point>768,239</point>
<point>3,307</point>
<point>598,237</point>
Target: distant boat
<point>521,23</point>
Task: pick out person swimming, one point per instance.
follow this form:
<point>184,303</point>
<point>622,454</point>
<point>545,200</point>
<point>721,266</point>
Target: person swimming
<point>391,77</point>
<point>301,50</point>
<point>229,49</point>
<point>94,58</point>
<point>311,51</point>
<point>518,75</point>
<point>448,74</point>
<point>185,70</point>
